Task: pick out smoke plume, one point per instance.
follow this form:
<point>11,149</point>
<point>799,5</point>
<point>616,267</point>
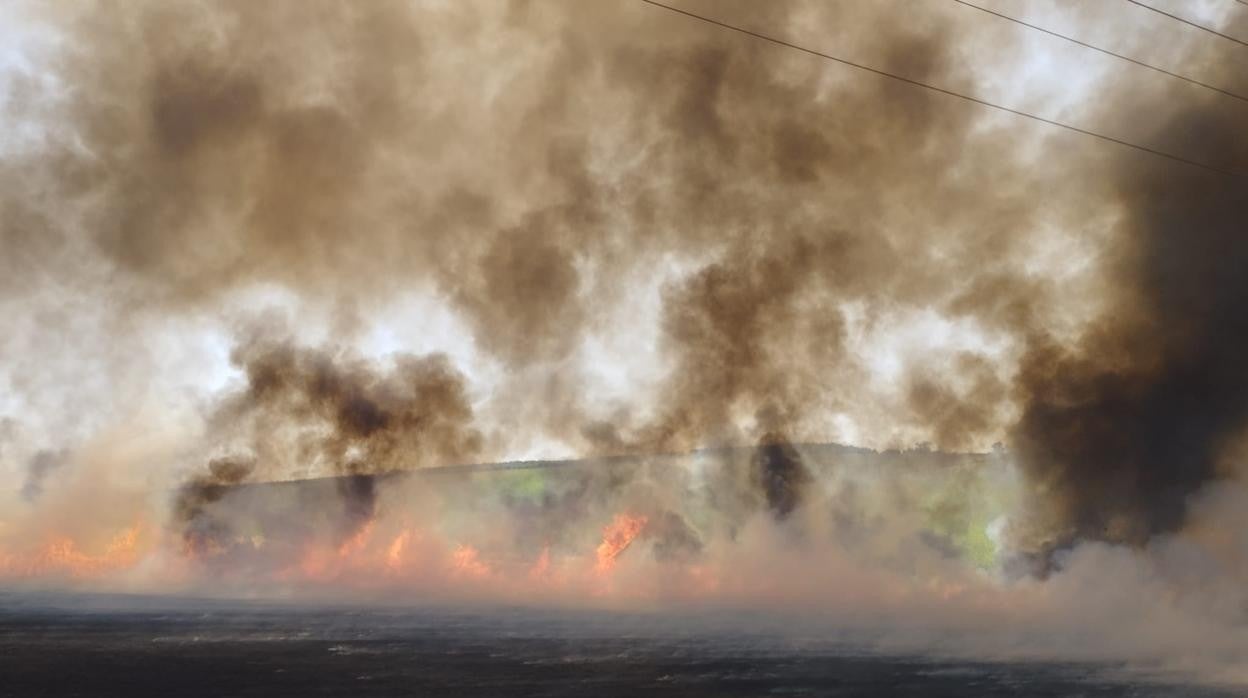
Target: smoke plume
<point>499,232</point>
<point>1122,428</point>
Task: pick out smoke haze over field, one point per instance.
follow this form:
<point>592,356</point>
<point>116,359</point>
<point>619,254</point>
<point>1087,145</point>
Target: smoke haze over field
<point>256,242</point>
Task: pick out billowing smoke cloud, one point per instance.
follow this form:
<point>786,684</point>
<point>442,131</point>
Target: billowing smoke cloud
<point>308,413</point>
<point>1122,428</point>
<point>244,145</point>
<point>343,416</point>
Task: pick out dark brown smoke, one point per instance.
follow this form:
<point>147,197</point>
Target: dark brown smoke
<point>201,531</point>
<point>359,498</point>
<point>347,416</point>
<point>781,475</point>
<point>1122,428</point>
<point>306,413</point>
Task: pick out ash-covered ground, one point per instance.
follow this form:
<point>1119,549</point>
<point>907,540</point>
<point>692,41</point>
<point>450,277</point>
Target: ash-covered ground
<point>93,645</point>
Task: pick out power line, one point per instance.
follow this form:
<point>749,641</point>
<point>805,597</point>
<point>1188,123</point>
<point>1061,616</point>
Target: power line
<point>1189,22</point>
<point>1105,51</point>
<point>941,90</point>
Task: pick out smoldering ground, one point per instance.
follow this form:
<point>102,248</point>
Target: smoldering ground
<point>543,170</point>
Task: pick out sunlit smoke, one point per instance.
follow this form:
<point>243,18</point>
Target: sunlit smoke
<point>291,299</point>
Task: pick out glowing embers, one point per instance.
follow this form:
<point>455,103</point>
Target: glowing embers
<point>616,537</point>
<point>63,556</point>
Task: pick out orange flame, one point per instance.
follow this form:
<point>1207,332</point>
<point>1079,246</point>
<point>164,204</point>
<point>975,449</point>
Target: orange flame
<point>541,568</point>
<point>466,561</point>
<point>62,555</point>
<point>616,537</point>
<point>356,542</point>
<point>394,553</point>
<point>323,563</point>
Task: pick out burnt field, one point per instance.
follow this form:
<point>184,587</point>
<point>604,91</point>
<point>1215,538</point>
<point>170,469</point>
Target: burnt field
<point>137,646</point>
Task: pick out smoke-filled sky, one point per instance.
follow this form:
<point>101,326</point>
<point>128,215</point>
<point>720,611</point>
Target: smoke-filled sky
<point>247,242</point>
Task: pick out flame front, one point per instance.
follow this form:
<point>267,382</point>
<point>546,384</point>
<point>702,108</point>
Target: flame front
<point>466,561</point>
<point>616,537</point>
<point>394,553</point>
<point>61,555</point>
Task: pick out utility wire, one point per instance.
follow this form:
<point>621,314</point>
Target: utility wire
<point>1189,22</point>
<point>941,90</point>
<point>1105,51</point>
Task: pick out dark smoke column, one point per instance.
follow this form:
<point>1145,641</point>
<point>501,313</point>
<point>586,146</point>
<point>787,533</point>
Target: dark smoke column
<point>1121,429</point>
